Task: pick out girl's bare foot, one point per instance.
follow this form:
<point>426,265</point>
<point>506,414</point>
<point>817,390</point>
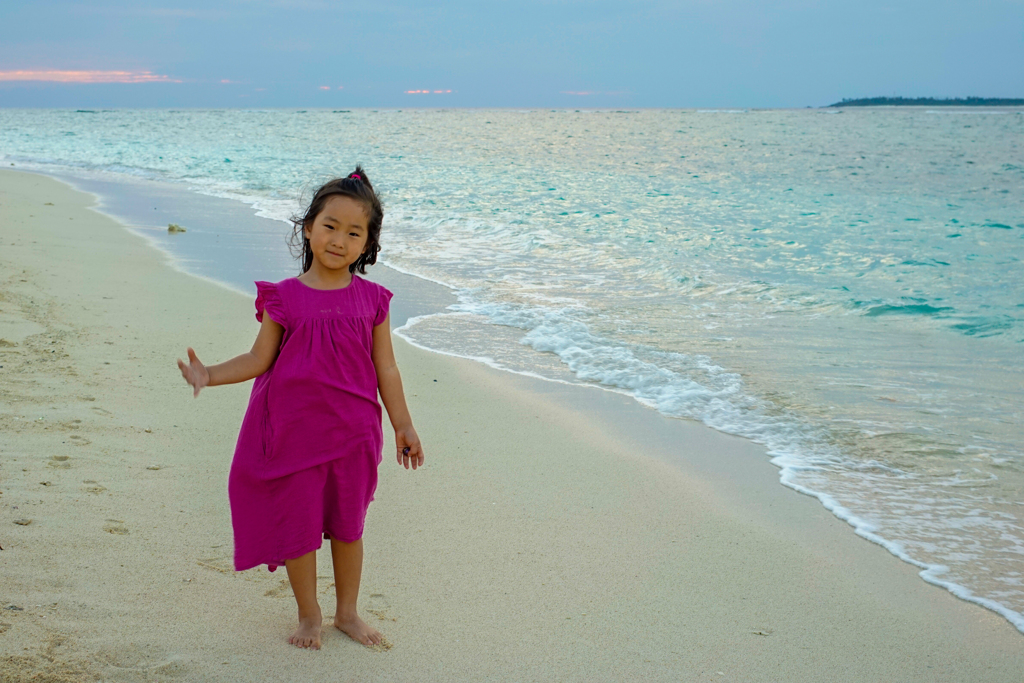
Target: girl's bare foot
<point>308,633</point>
<point>357,629</point>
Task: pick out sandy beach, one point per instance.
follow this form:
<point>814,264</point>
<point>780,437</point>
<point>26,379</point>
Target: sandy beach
<point>556,533</point>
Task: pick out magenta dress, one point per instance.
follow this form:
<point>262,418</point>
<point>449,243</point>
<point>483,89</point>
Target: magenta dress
<point>305,465</point>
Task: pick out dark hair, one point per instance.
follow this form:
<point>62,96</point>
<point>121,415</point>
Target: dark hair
<point>357,186</point>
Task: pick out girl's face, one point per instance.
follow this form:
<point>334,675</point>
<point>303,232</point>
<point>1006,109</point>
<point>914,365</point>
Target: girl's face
<point>338,234</point>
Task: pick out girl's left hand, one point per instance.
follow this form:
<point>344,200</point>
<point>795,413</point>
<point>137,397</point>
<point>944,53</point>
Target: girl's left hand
<point>410,451</point>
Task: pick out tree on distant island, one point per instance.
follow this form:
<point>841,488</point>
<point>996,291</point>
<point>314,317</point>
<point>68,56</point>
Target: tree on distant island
<point>930,102</point>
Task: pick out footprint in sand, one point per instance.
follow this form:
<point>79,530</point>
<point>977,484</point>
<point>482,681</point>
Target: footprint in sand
<point>282,590</point>
<point>115,526</point>
<point>79,440</point>
<point>378,601</point>
<point>222,564</point>
<point>145,660</point>
<point>378,605</point>
<point>101,411</point>
<point>60,462</point>
<point>92,486</point>
<point>55,659</point>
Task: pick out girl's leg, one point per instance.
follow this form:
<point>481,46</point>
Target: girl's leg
<point>302,575</point>
<point>348,569</point>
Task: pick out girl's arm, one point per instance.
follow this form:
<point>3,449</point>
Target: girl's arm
<point>389,384</point>
<point>240,368</point>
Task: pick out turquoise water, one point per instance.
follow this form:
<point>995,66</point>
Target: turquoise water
<point>842,286</point>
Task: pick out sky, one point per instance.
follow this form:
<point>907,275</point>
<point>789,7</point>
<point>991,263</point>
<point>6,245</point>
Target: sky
<point>494,53</point>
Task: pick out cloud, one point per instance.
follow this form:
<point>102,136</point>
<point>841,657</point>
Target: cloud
<point>427,92</point>
<point>57,76</point>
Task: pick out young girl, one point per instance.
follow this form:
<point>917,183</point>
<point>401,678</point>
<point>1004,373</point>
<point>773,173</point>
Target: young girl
<point>307,453</point>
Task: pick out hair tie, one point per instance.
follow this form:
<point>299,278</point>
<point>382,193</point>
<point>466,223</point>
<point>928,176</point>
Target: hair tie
<point>355,176</point>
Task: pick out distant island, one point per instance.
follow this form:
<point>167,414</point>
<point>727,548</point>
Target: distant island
<point>930,102</point>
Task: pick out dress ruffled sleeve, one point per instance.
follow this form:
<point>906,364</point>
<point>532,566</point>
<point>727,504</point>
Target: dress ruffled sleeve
<point>383,305</point>
<point>269,299</point>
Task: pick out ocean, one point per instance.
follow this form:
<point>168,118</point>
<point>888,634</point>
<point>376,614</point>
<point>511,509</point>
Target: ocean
<point>842,286</point>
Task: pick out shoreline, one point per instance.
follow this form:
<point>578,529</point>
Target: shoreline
<point>417,297</point>
<point>585,493</point>
<point>129,204</point>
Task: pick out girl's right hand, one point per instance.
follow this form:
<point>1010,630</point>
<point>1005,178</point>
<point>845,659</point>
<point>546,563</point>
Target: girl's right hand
<point>195,373</point>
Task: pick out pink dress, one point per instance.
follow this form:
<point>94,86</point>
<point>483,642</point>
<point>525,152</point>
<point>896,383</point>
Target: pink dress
<point>305,465</point>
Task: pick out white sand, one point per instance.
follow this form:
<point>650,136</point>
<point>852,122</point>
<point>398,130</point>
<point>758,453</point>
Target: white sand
<point>556,533</point>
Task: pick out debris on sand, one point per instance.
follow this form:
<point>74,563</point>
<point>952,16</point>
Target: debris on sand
<point>115,526</point>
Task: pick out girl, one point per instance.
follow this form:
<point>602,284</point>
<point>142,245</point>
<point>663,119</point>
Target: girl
<point>307,453</point>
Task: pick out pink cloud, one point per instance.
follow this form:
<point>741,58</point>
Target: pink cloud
<point>58,76</point>
<point>325,87</point>
<point>427,92</point>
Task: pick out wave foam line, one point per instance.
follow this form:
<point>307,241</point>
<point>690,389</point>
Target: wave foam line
<point>677,396</point>
<point>866,530</point>
<point>486,360</point>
